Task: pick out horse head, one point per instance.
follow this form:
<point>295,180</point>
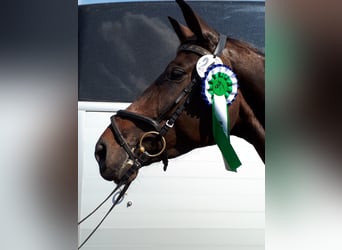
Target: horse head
<point>170,117</point>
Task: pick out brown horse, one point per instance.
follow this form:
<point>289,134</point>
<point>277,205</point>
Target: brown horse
<point>171,118</point>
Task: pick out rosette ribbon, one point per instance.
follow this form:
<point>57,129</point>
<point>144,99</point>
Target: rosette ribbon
<point>221,89</point>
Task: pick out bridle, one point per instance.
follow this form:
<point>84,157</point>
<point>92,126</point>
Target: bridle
<point>138,156</point>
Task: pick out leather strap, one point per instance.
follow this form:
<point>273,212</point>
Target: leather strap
<point>120,138</point>
<point>194,48</point>
<point>133,116</point>
<point>221,44</point>
<point>201,51</point>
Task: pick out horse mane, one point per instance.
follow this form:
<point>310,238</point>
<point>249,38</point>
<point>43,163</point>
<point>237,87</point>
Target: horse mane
<point>245,45</point>
<point>252,86</point>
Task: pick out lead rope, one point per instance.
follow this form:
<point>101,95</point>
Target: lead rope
<point>122,192</point>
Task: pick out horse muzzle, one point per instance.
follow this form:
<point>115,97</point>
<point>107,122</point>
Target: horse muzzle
<point>110,157</point>
<point>114,162</point>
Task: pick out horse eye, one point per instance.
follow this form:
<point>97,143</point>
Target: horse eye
<point>176,74</point>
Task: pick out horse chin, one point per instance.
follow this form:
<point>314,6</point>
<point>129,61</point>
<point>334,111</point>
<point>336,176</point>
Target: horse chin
<point>108,174</point>
<point>120,177</point>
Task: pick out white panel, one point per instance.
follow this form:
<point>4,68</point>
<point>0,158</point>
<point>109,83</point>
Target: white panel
<point>195,204</point>
<point>178,239</point>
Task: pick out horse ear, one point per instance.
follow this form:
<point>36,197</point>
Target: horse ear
<point>202,31</point>
<point>183,32</point>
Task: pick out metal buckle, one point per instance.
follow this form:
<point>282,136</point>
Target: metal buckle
<point>170,125</point>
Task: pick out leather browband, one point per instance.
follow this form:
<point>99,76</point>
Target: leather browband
<point>201,51</point>
<point>194,48</point>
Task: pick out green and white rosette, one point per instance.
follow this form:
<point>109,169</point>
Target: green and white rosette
<point>220,89</point>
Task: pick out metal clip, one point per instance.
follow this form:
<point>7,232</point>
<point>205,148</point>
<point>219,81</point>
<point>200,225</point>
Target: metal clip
<point>116,195</point>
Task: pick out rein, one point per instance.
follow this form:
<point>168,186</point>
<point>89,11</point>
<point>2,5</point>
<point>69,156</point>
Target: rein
<point>121,194</point>
<point>138,161</point>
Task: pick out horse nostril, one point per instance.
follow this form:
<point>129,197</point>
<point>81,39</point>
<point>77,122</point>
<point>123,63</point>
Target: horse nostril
<point>100,152</point>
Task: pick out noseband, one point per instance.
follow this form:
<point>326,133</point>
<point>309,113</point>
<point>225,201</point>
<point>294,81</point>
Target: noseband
<point>139,156</point>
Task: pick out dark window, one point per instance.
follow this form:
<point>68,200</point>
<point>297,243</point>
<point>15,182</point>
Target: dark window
<point>123,47</point>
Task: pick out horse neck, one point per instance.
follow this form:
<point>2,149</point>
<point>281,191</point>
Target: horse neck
<point>249,66</point>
